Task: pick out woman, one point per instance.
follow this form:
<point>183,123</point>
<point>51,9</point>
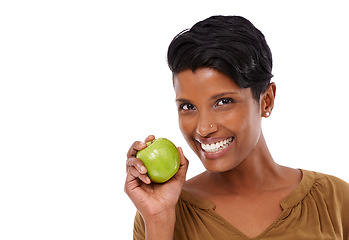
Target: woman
<point>221,76</point>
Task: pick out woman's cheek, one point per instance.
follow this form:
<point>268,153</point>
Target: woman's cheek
<point>187,127</point>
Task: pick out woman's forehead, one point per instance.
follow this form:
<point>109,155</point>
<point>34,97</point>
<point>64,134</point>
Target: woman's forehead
<point>204,80</point>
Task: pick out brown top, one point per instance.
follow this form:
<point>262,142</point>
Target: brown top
<point>317,209</point>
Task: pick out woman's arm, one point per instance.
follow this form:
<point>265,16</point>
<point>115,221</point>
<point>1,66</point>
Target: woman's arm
<point>155,202</point>
<point>161,226</point>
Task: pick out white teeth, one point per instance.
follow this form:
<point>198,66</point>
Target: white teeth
<point>214,147</point>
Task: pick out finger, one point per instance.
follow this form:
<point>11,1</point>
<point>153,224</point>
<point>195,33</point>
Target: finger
<point>136,163</point>
<point>184,164</point>
<point>149,138</point>
<point>136,146</point>
<point>133,174</point>
<point>183,160</point>
<point>131,183</point>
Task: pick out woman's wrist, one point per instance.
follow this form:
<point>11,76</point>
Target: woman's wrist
<point>160,226</point>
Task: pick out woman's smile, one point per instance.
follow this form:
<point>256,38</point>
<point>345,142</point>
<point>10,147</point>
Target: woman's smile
<point>213,148</point>
<point>216,145</point>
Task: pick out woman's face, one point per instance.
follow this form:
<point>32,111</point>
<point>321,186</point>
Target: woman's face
<point>220,121</point>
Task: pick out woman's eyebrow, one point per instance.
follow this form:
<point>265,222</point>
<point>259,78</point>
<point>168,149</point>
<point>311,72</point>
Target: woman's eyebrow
<point>222,94</point>
<point>212,98</point>
<point>182,100</point>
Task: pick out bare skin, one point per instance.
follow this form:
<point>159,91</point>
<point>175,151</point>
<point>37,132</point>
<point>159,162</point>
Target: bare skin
<point>242,179</point>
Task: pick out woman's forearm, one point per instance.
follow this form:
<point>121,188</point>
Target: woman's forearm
<point>160,226</point>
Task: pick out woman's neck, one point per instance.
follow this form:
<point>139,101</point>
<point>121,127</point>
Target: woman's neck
<point>258,172</point>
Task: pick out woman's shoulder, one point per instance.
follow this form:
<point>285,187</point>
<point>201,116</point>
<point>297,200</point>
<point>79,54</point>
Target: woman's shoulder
<point>329,187</point>
<point>330,190</point>
<point>331,183</point>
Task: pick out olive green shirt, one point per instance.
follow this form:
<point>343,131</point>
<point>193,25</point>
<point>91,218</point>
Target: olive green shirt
<point>317,209</point>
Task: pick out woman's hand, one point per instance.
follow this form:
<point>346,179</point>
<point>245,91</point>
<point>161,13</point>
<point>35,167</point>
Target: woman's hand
<point>152,200</point>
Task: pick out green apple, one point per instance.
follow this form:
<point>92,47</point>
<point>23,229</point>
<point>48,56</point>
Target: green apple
<point>161,158</point>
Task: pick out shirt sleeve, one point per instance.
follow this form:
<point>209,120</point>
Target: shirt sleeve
<point>343,189</point>
<point>338,196</point>
<point>138,228</point>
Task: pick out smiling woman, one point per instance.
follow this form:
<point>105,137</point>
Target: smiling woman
<point>220,112</point>
<point>222,80</point>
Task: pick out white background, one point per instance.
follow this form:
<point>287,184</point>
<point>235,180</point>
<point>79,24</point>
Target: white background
<point>81,80</point>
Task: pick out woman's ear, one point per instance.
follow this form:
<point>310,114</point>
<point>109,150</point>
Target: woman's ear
<point>267,100</point>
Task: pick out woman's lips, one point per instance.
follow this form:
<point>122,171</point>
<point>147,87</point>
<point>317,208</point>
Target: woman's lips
<point>213,148</point>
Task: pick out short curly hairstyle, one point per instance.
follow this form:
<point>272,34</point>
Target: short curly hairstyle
<point>229,44</point>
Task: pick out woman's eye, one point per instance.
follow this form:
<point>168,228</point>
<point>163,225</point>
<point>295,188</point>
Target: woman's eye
<point>224,101</point>
<point>186,106</point>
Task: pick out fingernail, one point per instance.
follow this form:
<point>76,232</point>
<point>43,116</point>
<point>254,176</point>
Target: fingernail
<point>143,169</point>
<point>143,144</point>
<point>148,180</point>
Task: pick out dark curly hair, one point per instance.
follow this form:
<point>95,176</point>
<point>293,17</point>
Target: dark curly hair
<point>229,44</point>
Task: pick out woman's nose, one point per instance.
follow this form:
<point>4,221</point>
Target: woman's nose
<point>206,126</point>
